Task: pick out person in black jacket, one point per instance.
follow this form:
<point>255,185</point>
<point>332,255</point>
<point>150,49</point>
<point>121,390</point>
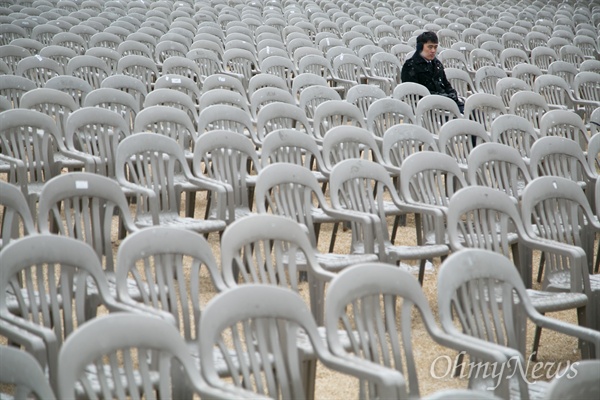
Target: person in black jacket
<point>424,68</point>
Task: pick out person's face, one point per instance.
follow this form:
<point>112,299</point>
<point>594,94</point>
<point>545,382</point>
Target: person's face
<point>429,50</point>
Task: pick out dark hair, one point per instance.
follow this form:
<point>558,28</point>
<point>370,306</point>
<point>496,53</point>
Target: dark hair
<point>424,38</point>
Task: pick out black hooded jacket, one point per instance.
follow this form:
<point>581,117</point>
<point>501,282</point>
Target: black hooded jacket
<point>429,74</point>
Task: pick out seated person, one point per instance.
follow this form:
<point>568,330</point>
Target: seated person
<point>427,70</point>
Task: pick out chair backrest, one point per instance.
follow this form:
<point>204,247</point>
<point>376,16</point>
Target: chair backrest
<point>290,190</point>
<point>530,105</point>
<point>116,100</point>
<point>13,87</point>
<point>514,131</point>
<point>459,137</point>
<point>387,112</point>
<point>271,249</point>
<point>484,108</point>
<point>333,113</point>
<point>228,157</point>
<point>344,142</point>
<point>566,124</point>
<point>274,116</point>
<point>486,78</point>
<point>77,88</point>
<point>434,111</point>
<point>129,84</point>
<point>506,87</point>
<point>410,93</point>
<point>543,198</point>
<point>91,69</point>
<point>134,337</point>
<point>430,178</point>
<point>560,156</point>
<point>578,381</point>
<point>60,264</point>
<point>225,117</point>
<point>165,265</point>
<point>38,69</point>
<point>314,95</point>
<point>82,206</point>
<point>22,373</point>
<point>55,103</point>
<point>402,140</point>
<point>372,303</point>
<point>498,166</point>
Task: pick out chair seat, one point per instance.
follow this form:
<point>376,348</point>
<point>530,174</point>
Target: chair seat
<point>556,301</point>
<point>337,262</point>
<point>415,252</point>
<point>303,341</point>
<point>537,391</point>
<point>200,226</point>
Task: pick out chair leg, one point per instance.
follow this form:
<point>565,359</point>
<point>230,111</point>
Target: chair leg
<point>541,267</point>
<point>536,342</point>
<point>190,204</point>
<point>333,236</point>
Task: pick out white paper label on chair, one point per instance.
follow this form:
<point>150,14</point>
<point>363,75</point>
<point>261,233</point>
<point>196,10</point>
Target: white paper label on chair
<point>176,80</point>
<point>463,48</point>
<point>328,42</point>
<point>221,79</point>
<point>40,58</point>
<point>81,184</point>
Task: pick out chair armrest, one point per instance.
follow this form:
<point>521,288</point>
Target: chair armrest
<point>17,172</point>
<point>223,188</point>
<point>33,344</point>
<point>90,161</point>
<point>131,306</point>
<point>437,213</point>
<point>487,351</point>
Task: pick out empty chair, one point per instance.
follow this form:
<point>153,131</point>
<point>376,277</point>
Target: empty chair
<point>91,69</point>
<point>514,131</point>
<point>240,63</point>
<point>13,87</point>
<point>565,124</point>
<point>475,270</point>
<point>349,70</point>
<point>225,117</point>
<point>166,49</point>
<point>170,374</point>
<point>385,113</point>
<point>230,158</point>
<point>458,138</point>
<point>561,156</point>
<point>69,265</point>
<point>58,53</point>
<point>372,302</point>
<point>350,179</point>
<point>529,105</point>
<point>556,91</point>
<point>506,87</point>
<point>363,95</point>
<point>77,88</point>
<point>590,65</point>
<point>314,95</point>
<point>511,57</point>
<point>565,70</point>
<point>586,86</point>
<point>91,136</point>
<point>387,66</point>
<point>141,68</point>
<point>486,78</point>
<point>333,113</point>
<point>480,57</point>
<point>571,54</point>
<point>156,188</point>
<point>12,54</point>
<point>28,139</point>
<point>287,189</point>
<point>461,82</point>
<point>484,108</point>
<point>38,69</point>
<point>433,111</point>
<point>274,116</point>
<point>272,366</point>
<point>72,41</point>
<point>82,206</point>
<point>542,57</point>
<point>59,106</point>
<point>129,84</point>
<point>174,99</point>
<point>116,100</point>
<point>224,81</point>
<point>528,73</point>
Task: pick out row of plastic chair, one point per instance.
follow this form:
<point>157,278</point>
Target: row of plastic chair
<point>387,280</point>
